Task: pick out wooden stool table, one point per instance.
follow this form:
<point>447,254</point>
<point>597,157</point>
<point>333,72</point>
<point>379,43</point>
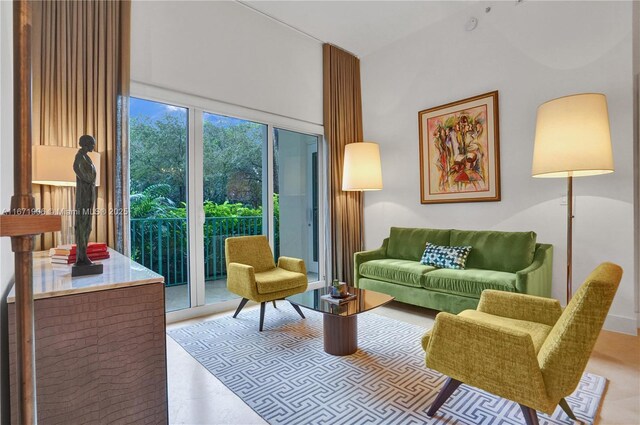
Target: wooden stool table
<point>340,320</point>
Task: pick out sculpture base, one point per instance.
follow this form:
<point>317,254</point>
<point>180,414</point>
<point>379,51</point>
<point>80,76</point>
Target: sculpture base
<point>86,270</point>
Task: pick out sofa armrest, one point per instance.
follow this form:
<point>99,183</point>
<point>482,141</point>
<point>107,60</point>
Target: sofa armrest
<point>364,256</point>
<point>241,280</point>
<point>520,306</point>
<point>536,279</point>
<point>292,264</point>
<point>491,357</point>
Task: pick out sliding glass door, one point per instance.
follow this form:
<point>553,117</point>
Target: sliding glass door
<point>158,151</point>
<point>295,188</point>
<point>234,191</point>
<point>198,178</point>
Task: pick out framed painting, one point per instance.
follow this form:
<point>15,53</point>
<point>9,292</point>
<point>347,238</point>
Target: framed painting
<point>460,151</point>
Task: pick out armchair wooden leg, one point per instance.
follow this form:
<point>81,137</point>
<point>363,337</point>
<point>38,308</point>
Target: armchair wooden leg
<point>297,308</point>
<point>530,415</point>
<point>274,304</point>
<point>262,308</point>
<point>240,307</point>
<point>447,389</point>
<point>565,406</point>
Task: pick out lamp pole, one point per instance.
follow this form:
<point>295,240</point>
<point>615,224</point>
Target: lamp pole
<point>569,235</point>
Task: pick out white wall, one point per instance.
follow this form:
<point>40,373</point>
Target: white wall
<point>531,53</point>
<point>6,187</point>
<point>226,52</point>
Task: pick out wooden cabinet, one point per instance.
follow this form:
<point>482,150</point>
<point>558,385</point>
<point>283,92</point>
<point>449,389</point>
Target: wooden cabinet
<point>100,345</point>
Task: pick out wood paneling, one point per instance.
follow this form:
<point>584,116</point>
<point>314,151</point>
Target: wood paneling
<point>25,225</point>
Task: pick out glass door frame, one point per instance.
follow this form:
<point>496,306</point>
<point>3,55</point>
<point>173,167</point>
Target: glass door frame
<point>197,106</point>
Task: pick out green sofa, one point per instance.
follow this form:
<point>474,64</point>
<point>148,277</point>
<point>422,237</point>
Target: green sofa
<point>506,261</point>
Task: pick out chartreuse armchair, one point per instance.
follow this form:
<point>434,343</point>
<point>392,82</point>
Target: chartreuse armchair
<point>252,273</point>
<point>522,347</point>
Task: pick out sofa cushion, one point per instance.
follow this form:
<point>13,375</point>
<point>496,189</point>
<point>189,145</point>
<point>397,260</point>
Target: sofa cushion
<point>492,250</point>
<point>538,331</point>
<point>408,243</point>
<point>403,272</point>
<point>277,279</point>
<point>469,282</point>
<point>445,257</point>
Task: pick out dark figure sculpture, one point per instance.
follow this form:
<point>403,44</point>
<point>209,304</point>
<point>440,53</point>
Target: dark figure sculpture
<point>85,201</point>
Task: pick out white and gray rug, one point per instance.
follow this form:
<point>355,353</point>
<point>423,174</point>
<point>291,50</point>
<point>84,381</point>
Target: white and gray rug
<point>284,374</point>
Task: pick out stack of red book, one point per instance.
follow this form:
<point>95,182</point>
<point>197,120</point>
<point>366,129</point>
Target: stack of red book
<point>66,254</point>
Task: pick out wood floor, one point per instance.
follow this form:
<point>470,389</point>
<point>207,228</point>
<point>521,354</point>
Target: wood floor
<point>197,397</point>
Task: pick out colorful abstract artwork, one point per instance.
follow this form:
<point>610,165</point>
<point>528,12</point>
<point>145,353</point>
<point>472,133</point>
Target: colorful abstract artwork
<point>459,151</point>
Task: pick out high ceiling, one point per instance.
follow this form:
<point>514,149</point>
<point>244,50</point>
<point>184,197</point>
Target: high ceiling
<point>360,27</point>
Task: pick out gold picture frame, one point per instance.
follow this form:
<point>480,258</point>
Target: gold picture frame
<point>460,151</point>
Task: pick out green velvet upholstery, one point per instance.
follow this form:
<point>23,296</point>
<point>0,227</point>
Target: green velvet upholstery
<point>468,282</point>
<point>402,272</point>
<point>521,264</point>
<point>492,250</point>
<point>409,243</point>
<point>421,297</point>
<point>522,347</point>
<point>536,279</point>
<point>252,273</point>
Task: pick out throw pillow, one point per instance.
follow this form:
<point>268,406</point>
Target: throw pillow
<point>445,257</point>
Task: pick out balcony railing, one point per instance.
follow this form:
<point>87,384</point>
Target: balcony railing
<point>161,244</point>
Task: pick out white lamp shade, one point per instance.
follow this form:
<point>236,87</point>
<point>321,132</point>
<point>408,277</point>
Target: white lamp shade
<point>573,137</point>
<point>53,165</point>
<point>362,169</point>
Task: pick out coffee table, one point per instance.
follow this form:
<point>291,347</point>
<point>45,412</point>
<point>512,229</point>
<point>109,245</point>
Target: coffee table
<point>340,321</point>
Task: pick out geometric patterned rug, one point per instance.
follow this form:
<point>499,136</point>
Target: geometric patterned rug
<point>285,376</point>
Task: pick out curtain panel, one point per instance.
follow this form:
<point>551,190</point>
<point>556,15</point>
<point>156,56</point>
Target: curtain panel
<point>342,125</point>
<point>81,52</point>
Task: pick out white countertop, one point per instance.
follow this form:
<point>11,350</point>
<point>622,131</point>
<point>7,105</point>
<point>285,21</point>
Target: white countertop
<point>54,280</point>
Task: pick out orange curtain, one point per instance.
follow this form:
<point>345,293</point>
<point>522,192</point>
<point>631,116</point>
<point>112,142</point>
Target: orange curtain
<point>81,86</point>
<point>342,125</point>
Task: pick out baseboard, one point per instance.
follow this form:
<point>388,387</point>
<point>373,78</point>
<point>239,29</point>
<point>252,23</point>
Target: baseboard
<point>625,325</point>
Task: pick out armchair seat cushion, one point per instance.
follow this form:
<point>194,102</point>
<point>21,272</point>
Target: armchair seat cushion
<point>469,282</point>
<point>402,272</point>
<point>277,279</point>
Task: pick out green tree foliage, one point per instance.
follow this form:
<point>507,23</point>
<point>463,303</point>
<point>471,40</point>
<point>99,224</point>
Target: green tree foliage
<point>233,162</point>
<point>158,151</point>
<point>232,180</point>
<point>232,158</point>
<point>153,202</point>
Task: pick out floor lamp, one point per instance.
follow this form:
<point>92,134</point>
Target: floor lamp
<point>362,170</point>
<point>572,140</point>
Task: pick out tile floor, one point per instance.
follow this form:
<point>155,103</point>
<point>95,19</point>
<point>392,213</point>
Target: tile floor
<point>197,397</point>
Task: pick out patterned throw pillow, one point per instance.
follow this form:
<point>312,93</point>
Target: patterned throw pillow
<point>445,257</point>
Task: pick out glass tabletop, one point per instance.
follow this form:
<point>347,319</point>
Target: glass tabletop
<point>365,300</point>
